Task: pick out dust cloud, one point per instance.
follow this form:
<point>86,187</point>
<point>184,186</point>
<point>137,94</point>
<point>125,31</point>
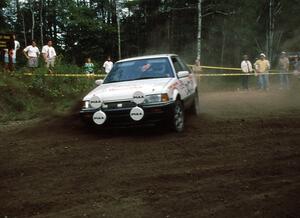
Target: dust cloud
<point>252,103</point>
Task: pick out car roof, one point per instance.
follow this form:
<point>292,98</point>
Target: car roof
<point>147,57</point>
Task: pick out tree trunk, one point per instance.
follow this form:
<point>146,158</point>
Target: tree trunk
<point>32,18</point>
<point>18,6</point>
<point>54,23</point>
<point>223,49</point>
<point>33,24</point>
<point>270,32</point>
<point>223,43</point>
<point>199,30</point>
<point>118,11</point>
<point>24,29</point>
<point>41,21</point>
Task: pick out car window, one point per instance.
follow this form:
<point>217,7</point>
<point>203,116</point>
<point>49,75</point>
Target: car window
<point>140,69</point>
<point>179,65</point>
<point>184,65</point>
<point>176,64</point>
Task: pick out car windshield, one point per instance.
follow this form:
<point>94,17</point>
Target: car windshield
<point>140,69</point>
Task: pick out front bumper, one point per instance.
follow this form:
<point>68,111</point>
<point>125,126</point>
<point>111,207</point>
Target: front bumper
<point>121,116</point>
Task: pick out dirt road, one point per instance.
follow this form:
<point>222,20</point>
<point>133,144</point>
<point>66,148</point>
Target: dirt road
<point>240,158</point>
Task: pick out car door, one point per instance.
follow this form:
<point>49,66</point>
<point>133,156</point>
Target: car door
<point>187,86</point>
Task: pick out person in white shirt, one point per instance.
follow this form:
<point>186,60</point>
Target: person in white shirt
<point>108,65</point>
<point>32,53</point>
<point>49,55</point>
<point>246,67</point>
<point>17,47</point>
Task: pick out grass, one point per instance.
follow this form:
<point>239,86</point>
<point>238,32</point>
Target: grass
<point>27,97</point>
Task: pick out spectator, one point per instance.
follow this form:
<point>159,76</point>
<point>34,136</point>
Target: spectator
<point>297,67</point>
<point>49,55</point>
<point>88,67</point>
<point>32,53</point>
<point>12,45</point>
<point>246,67</point>
<point>197,67</point>
<point>262,67</point>
<point>108,65</point>
<point>6,59</point>
<point>283,64</point>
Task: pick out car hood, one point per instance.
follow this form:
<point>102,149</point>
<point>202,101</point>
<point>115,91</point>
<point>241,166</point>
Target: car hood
<point>125,90</point>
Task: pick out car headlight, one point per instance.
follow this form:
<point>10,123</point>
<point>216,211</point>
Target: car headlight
<point>86,104</point>
<point>158,98</point>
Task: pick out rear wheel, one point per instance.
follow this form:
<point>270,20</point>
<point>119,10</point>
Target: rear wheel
<point>178,117</point>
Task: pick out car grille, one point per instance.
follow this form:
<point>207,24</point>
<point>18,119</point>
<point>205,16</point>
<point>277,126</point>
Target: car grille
<point>118,105</point>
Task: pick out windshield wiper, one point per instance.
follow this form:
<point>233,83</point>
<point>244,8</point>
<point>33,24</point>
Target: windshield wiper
<point>140,78</point>
<point>114,81</point>
<point>117,81</point>
<point>149,77</point>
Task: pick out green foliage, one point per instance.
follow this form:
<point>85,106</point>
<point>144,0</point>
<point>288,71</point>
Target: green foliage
<point>83,28</point>
<point>3,24</point>
<point>24,97</point>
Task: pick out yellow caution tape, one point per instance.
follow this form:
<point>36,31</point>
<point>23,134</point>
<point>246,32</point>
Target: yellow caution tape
<point>228,68</point>
<point>237,74</point>
<point>198,75</point>
<point>65,75</point>
<point>271,72</point>
<point>218,68</point>
<point>221,68</point>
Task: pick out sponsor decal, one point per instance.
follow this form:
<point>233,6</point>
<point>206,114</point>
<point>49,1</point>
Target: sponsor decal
<point>95,102</point>
<point>136,113</point>
<point>99,117</point>
<point>173,86</point>
<point>138,97</point>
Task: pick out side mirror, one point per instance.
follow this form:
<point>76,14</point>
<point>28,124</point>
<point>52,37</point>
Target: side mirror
<point>181,74</point>
<point>98,82</point>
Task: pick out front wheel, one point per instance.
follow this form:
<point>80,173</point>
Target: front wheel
<point>178,117</point>
<point>196,104</point>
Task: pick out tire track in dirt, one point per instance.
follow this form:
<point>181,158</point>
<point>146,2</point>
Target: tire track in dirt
<point>240,158</point>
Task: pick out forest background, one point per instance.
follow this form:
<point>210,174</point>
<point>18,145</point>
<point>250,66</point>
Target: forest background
<point>89,28</point>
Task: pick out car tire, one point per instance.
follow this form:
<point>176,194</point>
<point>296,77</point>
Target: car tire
<point>177,119</point>
<point>196,104</point>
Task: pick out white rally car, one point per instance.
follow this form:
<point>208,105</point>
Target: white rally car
<point>149,89</point>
